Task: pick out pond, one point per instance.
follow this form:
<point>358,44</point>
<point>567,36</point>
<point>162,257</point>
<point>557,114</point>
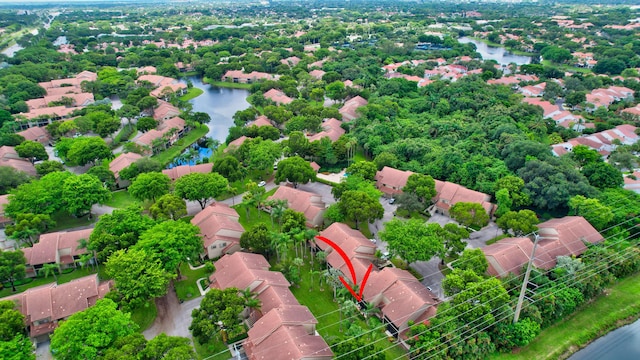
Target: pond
<point>620,344</point>
<point>499,54</point>
<point>221,104</point>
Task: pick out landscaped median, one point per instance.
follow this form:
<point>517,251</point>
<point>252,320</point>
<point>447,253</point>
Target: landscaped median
<point>617,306</point>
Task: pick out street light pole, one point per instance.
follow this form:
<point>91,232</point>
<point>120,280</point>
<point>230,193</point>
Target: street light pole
<point>526,280</point>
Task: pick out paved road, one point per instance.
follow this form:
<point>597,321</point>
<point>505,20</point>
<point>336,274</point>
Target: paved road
<point>173,317</point>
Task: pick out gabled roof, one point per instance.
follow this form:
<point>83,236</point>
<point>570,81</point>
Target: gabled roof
<point>330,128</point>
<point>275,297</point>
<point>288,342</point>
<point>235,270</point>
<point>348,110</point>
<point>261,121</point>
<point>165,110</point>
<point>123,161</point>
<point>305,202</point>
<point>34,133</point>
<point>390,180</point>
<point>216,219</point>
<point>567,236</point>
<point>9,157</point>
<point>277,96</point>
<point>448,194</point>
<point>353,243</point>
<point>177,172</point>
<point>511,254</point>
<point>46,250</point>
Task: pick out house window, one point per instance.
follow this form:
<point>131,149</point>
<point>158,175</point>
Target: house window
<point>213,246</point>
<point>223,245</point>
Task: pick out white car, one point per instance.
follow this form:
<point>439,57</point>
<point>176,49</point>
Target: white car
<point>262,183</point>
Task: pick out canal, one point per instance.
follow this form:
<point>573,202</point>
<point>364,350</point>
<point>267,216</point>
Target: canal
<point>620,344</point>
<point>499,54</point>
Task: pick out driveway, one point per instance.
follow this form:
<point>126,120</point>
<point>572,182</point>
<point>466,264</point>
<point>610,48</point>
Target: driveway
<point>173,317</point>
<point>42,351</point>
<point>320,189</point>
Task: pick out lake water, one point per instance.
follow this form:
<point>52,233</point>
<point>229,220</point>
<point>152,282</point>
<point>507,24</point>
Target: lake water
<point>620,344</point>
<point>221,104</point>
<point>499,54</point>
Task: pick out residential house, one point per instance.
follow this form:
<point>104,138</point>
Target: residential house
<point>177,172</point>
<point>402,300</point>
<point>164,86</point>
<point>238,76</point>
<point>449,194</point>
<point>566,236</point>
<point>277,96</point>
<point>170,130</point>
<point>165,111</point>
<point>318,74</point>
<point>49,114</point>
<point>330,128</point>
<point>76,100</point>
<point>350,107</point>
<point>533,90</point>
<point>9,157</point>
<point>604,142</point>
<point>631,183</point>
<point>236,143</point>
<point>74,82</point>
<point>147,70</point>
<point>220,230</point>
<point>45,306</point>
<point>391,181</point>
<point>633,112</point>
<point>121,162</point>
<point>62,248</point>
<point>549,110</point>
<point>260,121</point>
<point>36,133</point>
<point>511,255</point>
<point>310,204</point>
<point>605,97</point>
<point>291,61</point>
<point>281,328</point>
<point>360,251</point>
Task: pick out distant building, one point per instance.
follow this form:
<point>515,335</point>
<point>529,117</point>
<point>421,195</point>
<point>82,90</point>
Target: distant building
<point>348,110</point>
<point>331,129</point>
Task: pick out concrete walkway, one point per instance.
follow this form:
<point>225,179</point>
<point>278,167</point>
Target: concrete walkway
<point>173,317</point>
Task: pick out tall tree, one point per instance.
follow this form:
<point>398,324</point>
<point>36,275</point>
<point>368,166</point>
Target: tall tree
<point>422,185</point>
<point>229,167</point>
<point>163,347</point>
<point>469,214</point>
<point>295,170</point>
<point>89,333</point>
<point>11,320</point>
<point>413,240</point>
<point>366,169</point>
<point>219,311</point>
<point>150,186</point>
<point>359,206</point>
<point>11,178</point>
<point>257,240</point>
<point>19,347</point>
<point>27,227</point>
<point>119,230</point>
<point>88,150</point>
<point>201,187</point>
<point>170,243</point>
<point>48,166</point>
<point>81,192</point>
<point>137,277</point>
<point>596,213</point>
<point>167,207</point>
<point>12,267</point>
<point>32,150</point>
<point>520,222</point>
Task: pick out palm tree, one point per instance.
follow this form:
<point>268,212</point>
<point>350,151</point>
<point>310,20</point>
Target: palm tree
<point>311,274</point>
<point>277,210</point>
<point>369,311</point>
<point>321,256</point>
<point>249,200</point>
<point>51,269</point>
<point>233,192</point>
<point>85,260</point>
<point>250,301</point>
<point>84,244</point>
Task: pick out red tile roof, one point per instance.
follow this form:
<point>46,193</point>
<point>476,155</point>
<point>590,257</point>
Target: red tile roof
<point>512,254</point>
<point>305,202</point>
<point>277,96</point>
<point>448,194</point>
<point>182,170</point>
<point>348,110</point>
<point>123,161</point>
<point>47,250</point>
<point>353,243</point>
<point>218,221</point>
<point>330,128</point>
<point>391,181</point>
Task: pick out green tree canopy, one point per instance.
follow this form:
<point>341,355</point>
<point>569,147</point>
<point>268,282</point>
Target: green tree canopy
<point>11,178</point>
<point>119,230</point>
<point>521,222</point>
<point>422,185</point>
<point>229,167</point>
<point>295,170</point>
<point>359,206</point>
<point>32,150</point>
<point>48,166</point>
<point>366,169</point>
<point>596,213</point>
<point>27,227</point>
<point>138,278</point>
<point>472,259</point>
<point>150,186</point>
<point>167,207</point>
<point>11,321</point>
<point>170,243</point>
<point>89,333</point>
<point>81,192</point>
<point>469,214</point>
<point>257,240</point>
<point>355,182</point>
<point>200,187</point>
<point>88,150</point>
<point>220,309</point>
<point>12,267</point>
<point>413,240</point>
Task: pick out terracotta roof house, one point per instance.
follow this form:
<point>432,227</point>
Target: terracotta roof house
<point>44,306</point>
<point>318,74</point>
<point>549,110</point>
<point>629,183</point>
<point>79,99</point>
<point>391,181</point>
<point>147,70</point>
<point>633,111</point>
<point>177,172</point>
<point>315,166</point>
<point>566,236</point>
<point>277,96</point>
<point>70,82</point>
<point>146,140</point>
<point>220,230</point>
<point>330,128</point>
<point>448,194</point>
<point>165,111</point>
<point>236,143</point>
<point>282,328</point>
<point>348,110</point>
<point>358,248</point>
<point>4,220</point>
<point>260,121</point>
<point>121,162</point>
<point>310,204</point>
<point>533,90</point>
<point>238,76</point>
<point>36,133</point>
<point>510,255</point>
<point>9,157</point>
<point>60,247</point>
<point>291,61</point>
<point>401,299</point>
<point>53,113</point>
<point>603,141</point>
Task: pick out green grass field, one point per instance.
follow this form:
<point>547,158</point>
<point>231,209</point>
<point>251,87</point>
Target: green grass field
<point>145,315</point>
<point>191,93</point>
<point>617,306</point>
<point>168,155</point>
<point>227,84</point>
<point>187,287</point>
<point>65,221</point>
<point>121,199</point>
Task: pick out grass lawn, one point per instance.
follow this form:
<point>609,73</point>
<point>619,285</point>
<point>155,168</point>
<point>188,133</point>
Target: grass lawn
<point>227,84</point>
<point>65,221</point>
<point>364,227</point>
<point>41,280</point>
<point>191,93</point>
<point>168,155</point>
<point>145,315</point>
<point>565,67</point>
<point>359,156</point>
<point>121,199</point>
<point>619,305</point>
<point>208,350</point>
<point>187,287</point>
<point>255,216</point>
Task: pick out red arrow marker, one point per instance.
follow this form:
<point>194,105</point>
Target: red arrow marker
<point>351,270</point>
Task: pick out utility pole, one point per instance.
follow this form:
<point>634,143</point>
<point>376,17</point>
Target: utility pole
<point>523,289</point>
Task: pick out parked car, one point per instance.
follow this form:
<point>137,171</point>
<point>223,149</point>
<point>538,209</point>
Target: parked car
<point>262,183</point>
<point>392,200</point>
